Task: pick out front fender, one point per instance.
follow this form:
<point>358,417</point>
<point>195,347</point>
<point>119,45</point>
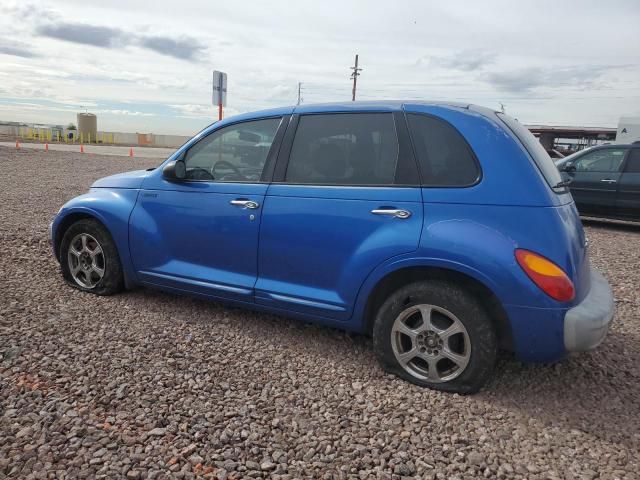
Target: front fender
<point>112,207</point>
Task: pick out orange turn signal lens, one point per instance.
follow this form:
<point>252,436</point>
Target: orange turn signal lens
<point>550,278</point>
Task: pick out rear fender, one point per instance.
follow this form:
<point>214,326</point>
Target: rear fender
<point>467,247</point>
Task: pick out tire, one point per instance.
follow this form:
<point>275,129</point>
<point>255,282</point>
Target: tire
<point>95,261</point>
<point>454,352</point>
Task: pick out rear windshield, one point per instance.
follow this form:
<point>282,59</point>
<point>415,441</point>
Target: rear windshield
<point>536,150</point>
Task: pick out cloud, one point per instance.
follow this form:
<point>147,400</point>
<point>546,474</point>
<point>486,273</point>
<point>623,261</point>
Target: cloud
<point>466,60</point>
<point>17,49</point>
<point>133,113</point>
<point>526,79</point>
<point>184,47</point>
<point>106,37</point>
<point>195,110</point>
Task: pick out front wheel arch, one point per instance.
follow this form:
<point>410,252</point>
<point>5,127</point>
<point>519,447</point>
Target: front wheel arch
<point>65,224</point>
<point>109,269</point>
<point>407,275</point>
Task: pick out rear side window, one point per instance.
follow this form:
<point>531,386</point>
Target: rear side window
<point>445,158</point>
<point>344,149</point>
<point>633,162</point>
<point>536,150</point>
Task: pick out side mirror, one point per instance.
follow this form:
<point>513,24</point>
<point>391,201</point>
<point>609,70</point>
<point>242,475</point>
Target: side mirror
<point>175,171</point>
<point>569,168</point>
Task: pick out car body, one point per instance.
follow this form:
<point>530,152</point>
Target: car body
<point>352,205</point>
<point>605,180</point>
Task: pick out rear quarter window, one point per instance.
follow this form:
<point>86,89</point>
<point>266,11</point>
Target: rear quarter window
<point>445,158</point>
<point>537,152</point>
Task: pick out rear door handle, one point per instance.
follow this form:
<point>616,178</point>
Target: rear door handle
<point>244,203</point>
<point>608,180</point>
<point>392,212</point>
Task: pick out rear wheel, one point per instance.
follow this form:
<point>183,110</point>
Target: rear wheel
<point>437,335</point>
<point>89,258</point>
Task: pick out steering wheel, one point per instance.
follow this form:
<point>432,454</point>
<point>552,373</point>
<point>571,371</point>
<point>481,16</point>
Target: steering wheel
<point>199,173</point>
<point>229,165</point>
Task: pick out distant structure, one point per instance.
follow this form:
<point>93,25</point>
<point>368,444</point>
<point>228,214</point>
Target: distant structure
<point>571,138</point>
<point>87,126</point>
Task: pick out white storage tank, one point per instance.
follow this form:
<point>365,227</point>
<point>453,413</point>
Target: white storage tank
<point>87,127</point>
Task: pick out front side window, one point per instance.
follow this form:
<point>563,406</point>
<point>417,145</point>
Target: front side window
<point>344,149</point>
<point>606,160</point>
<point>443,154</point>
<point>236,153</point>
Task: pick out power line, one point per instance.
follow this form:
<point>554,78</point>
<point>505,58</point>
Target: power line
<point>354,76</point>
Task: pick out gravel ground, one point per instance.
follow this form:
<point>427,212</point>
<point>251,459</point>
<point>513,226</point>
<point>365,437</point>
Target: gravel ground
<point>152,385</point>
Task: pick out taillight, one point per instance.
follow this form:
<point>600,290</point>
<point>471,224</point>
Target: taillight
<point>546,275</point>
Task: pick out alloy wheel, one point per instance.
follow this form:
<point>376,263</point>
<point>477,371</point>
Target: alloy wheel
<point>86,260</point>
<point>430,343</point>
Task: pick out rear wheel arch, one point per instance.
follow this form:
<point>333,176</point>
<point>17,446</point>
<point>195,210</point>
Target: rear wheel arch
<point>407,275</point>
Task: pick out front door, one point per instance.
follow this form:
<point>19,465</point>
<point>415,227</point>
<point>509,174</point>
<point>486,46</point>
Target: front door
<point>342,206</point>
<point>201,235</point>
<point>595,181</point>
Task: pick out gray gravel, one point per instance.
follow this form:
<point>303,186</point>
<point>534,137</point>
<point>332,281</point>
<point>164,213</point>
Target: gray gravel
<point>152,385</point>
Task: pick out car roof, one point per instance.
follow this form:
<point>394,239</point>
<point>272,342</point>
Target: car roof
<point>383,105</point>
<point>358,106</point>
<point>610,145</point>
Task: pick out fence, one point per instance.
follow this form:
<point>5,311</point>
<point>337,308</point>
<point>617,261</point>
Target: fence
<point>73,136</point>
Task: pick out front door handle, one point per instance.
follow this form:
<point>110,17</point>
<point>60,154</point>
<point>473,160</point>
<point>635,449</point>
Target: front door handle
<point>392,212</point>
<point>244,203</point>
<point>608,180</point>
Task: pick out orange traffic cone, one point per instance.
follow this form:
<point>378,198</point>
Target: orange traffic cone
<point>46,147</point>
<point>131,152</point>
<point>17,144</point>
<point>81,148</point>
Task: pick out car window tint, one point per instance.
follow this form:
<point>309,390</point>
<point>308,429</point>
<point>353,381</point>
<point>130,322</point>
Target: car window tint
<point>344,149</point>
<point>633,162</point>
<point>236,153</point>
<point>443,154</point>
<point>605,160</point>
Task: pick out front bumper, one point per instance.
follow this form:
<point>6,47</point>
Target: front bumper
<point>586,324</point>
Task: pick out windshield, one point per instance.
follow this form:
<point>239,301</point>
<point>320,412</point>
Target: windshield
<point>536,150</point>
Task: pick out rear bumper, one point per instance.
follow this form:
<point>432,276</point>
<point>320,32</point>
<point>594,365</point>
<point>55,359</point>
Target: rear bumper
<point>586,324</point>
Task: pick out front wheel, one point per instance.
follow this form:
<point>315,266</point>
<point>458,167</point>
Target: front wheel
<point>437,335</point>
<point>89,258</point>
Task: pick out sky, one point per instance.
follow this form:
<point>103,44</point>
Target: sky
<point>147,66</point>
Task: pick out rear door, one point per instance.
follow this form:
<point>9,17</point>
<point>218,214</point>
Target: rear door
<point>629,187</point>
<point>595,180</point>
<point>345,198</point>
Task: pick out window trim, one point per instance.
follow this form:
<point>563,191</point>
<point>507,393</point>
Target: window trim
<point>621,167</point>
<point>474,157</point>
<point>269,163</point>
<point>279,176</point>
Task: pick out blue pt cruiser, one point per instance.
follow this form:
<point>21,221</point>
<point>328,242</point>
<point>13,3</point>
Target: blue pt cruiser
<point>443,230</point>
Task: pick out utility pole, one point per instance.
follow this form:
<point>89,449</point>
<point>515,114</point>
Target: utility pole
<point>299,92</point>
<point>354,76</point>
